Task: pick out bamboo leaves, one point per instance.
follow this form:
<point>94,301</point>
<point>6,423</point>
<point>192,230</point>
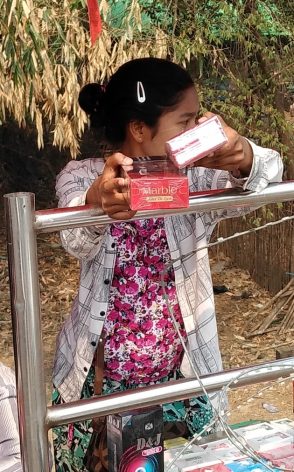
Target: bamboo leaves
<point>46,56</point>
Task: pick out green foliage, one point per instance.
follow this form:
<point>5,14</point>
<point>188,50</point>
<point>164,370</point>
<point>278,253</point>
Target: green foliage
<point>240,53</point>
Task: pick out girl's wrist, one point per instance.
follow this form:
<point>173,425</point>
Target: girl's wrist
<point>246,165</point>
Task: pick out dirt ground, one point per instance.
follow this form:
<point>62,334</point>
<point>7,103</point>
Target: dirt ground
<point>58,283</point>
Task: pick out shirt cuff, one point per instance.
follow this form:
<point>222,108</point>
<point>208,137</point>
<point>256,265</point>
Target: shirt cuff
<point>258,177</point>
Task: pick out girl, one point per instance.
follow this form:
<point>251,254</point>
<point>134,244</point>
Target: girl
<point>10,459</point>
<point>146,102</point>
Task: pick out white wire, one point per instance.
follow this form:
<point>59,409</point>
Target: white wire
<point>222,240</point>
<point>238,441</point>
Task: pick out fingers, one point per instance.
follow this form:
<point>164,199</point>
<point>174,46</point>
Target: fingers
<point>114,196</point>
<point>113,189</point>
<point>114,162</point>
<point>117,185</point>
<point>117,214</point>
<point>226,162</point>
<point>230,156</point>
<point>205,117</point>
<point>209,114</point>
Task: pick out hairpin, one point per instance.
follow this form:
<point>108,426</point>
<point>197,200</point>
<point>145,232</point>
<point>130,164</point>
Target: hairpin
<point>140,93</point>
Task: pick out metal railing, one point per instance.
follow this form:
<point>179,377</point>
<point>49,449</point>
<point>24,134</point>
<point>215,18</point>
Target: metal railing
<point>35,418</point>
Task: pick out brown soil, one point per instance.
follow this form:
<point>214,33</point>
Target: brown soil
<point>59,274</point>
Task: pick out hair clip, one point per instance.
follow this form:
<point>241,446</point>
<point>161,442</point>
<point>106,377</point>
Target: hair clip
<point>140,93</point>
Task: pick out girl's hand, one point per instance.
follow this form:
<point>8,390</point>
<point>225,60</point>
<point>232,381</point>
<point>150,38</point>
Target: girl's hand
<point>235,156</point>
<point>109,191</point>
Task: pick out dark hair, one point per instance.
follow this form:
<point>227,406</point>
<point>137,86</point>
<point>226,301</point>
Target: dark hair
<point>117,104</point>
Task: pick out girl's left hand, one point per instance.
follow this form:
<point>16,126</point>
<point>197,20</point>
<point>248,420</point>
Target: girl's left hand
<point>235,156</point>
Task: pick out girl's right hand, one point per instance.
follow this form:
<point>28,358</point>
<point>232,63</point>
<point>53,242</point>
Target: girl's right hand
<point>110,191</point>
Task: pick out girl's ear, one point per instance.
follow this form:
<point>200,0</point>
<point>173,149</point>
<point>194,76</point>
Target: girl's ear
<point>137,130</point>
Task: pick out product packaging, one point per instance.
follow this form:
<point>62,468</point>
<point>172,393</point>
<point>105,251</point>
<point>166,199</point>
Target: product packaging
<point>174,443</point>
<point>224,450</point>
<point>170,454</point>
<point>157,184</point>
<point>256,430</point>
<point>196,461</point>
<point>198,142</point>
<point>248,465</point>
<point>135,441</point>
<point>271,441</point>
<point>286,425</point>
<point>279,453</point>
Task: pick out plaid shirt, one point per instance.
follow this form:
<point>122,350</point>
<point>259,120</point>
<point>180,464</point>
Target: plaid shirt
<point>96,250</point>
<point>9,439</point>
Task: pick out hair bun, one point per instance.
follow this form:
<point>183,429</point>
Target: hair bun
<point>91,100</point>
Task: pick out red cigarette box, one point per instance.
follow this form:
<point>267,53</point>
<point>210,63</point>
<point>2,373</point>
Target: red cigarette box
<point>197,142</point>
<point>157,184</point>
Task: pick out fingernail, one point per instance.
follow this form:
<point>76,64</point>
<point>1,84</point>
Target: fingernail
<point>123,182</point>
<point>127,161</point>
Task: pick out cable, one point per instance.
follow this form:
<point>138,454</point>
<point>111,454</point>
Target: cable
<point>218,415</point>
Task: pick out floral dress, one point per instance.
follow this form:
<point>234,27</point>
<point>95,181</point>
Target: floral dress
<point>142,346</point>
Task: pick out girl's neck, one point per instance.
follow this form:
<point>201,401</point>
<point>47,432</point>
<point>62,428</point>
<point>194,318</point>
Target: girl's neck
<point>132,149</point>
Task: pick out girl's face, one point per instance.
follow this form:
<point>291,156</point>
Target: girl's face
<point>170,124</point>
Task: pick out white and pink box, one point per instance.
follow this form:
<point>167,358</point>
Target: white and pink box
<point>286,425</point>
<point>272,441</point>
<point>198,142</point>
<point>281,457</point>
<point>197,461</point>
<point>224,450</point>
<point>258,430</point>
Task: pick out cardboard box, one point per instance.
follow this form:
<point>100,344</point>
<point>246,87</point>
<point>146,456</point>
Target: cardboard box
<point>256,430</point>
<point>248,465</point>
<point>135,441</point>
<point>284,425</point>
<point>197,460</point>
<point>170,454</point>
<point>213,468</point>
<point>157,184</point>
<point>272,441</point>
<point>224,450</point>
<point>279,453</point>
<point>198,142</point>
<point>175,443</point>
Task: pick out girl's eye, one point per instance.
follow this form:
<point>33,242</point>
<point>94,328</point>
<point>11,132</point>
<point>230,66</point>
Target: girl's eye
<point>185,123</point>
<point>189,122</point>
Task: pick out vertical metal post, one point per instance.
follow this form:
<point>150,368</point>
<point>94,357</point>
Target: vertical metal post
<point>26,316</point>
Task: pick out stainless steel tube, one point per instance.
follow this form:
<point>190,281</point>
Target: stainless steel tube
<point>59,219</point>
<point>163,393</point>
<point>22,223</point>
<point>26,315</point>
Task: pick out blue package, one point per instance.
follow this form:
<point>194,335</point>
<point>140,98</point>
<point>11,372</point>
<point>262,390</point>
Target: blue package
<point>248,465</point>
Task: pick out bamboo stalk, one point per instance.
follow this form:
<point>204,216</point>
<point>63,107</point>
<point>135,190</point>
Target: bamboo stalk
<point>278,295</point>
<point>270,318</point>
<point>286,320</point>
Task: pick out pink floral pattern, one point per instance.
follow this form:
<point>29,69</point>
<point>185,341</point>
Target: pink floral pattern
<point>141,342</point>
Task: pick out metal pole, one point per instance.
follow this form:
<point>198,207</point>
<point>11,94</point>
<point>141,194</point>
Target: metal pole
<point>167,392</point>
<point>64,218</point>
<point>35,418</point>
<point>26,316</point>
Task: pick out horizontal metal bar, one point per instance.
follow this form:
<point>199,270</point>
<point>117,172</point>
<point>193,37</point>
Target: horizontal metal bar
<point>63,218</point>
<point>166,392</point>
